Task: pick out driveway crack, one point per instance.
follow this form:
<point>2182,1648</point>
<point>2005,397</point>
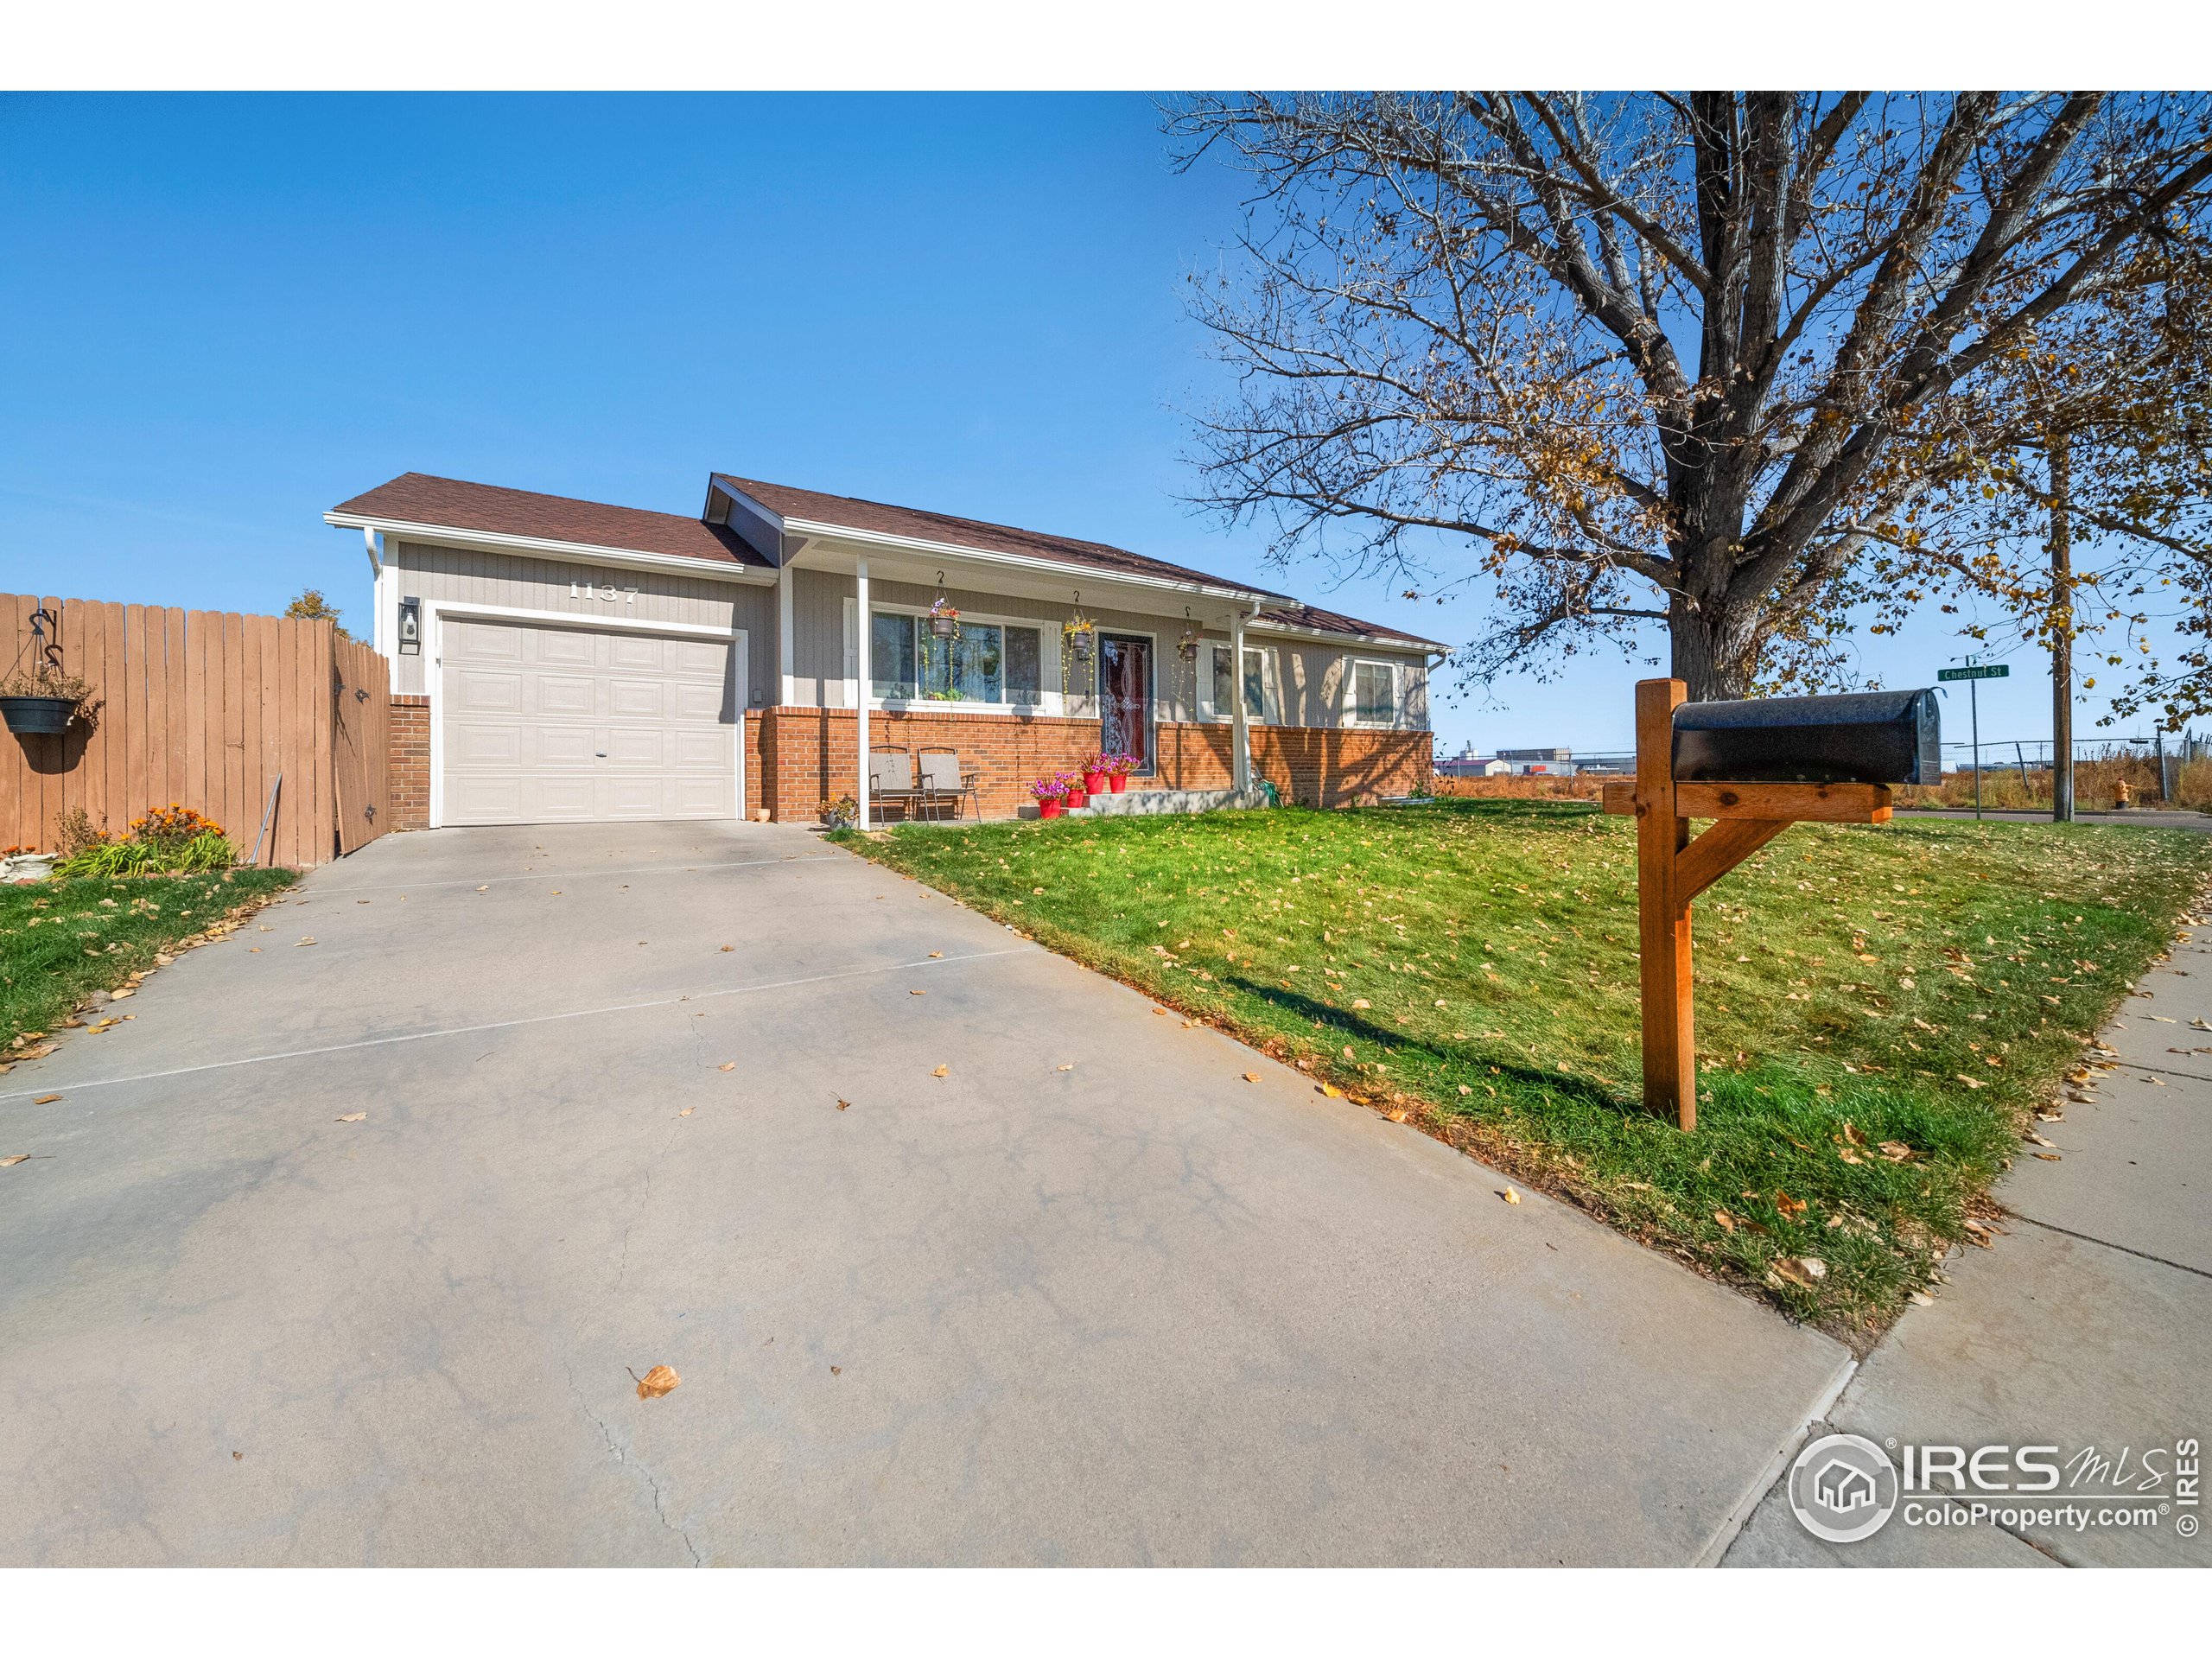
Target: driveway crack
<point>614,1450</point>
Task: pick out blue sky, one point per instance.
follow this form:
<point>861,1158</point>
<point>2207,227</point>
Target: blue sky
<point>226,314</point>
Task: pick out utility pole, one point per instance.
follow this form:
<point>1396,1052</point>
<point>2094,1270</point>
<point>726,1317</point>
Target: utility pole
<point>2062,629</point>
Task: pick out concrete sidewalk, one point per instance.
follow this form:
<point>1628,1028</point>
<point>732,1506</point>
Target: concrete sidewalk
<point>2089,1322</point>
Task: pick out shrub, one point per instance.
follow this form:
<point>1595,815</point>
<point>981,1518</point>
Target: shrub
<point>74,831</point>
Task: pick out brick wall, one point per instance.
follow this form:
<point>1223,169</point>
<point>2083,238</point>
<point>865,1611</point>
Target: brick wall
<point>797,758</point>
<point>411,763</point>
<point>809,754</point>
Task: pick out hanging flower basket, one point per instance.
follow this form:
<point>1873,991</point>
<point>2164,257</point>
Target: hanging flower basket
<point>41,702</point>
<point>43,716</point>
<point>1187,646</point>
<point>944,618</point>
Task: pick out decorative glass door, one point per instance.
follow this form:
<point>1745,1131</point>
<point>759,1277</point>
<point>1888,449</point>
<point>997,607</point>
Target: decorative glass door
<point>1125,697</point>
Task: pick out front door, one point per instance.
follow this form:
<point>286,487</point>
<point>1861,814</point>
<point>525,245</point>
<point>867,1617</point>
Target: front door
<point>1125,697</point>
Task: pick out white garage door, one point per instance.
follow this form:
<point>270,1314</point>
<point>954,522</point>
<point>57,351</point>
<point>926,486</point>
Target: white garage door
<point>542,724</point>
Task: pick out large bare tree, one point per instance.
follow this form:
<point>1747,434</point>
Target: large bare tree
<point>1662,358</point>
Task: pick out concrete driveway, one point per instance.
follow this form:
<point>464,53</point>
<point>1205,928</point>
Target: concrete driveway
<point>1089,1297</point>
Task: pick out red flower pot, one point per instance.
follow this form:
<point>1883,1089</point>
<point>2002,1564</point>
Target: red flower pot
<point>1119,782</point>
<point>1094,783</point>
<point>1077,798</point>
<point>1048,808</point>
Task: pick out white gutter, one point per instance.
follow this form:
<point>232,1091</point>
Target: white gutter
<point>1370,641</point>
<point>574,552</point>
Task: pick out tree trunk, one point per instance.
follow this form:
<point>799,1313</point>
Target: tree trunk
<point>1709,652</point>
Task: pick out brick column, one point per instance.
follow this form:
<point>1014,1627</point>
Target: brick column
<point>409,763</point>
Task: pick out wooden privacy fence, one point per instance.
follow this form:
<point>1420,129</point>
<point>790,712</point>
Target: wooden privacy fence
<point>208,709</point>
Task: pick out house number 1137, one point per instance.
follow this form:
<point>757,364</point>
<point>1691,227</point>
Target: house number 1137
<point>606,591</point>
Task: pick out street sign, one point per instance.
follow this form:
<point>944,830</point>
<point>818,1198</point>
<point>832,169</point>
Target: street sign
<point>1986,671</point>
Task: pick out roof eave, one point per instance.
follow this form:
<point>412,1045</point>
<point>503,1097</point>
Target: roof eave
<point>820,529</point>
<point>629,558</point>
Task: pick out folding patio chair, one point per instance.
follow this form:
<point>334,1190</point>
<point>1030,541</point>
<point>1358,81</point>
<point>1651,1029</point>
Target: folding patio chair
<point>891,779</point>
<point>944,779</point>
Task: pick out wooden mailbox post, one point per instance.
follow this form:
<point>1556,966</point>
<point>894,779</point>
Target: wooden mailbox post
<point>1672,868</point>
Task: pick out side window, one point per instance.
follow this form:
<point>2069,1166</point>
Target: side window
<point>1024,666</point>
<point>891,655</point>
<point>1258,679</point>
<point>1374,694</point>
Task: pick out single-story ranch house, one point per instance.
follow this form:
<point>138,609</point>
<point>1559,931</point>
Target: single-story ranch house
<point>560,660</point>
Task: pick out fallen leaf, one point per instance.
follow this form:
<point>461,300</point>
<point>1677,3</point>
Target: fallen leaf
<point>1465,1089</point>
<point>935,955</point>
<point>1361,1002</point>
<point>1333,1091</point>
<point>2047,1157</point>
<point>1347,1050</point>
<point>1398,1117</point>
<point>1788,1205</point>
<point>839,1370</point>
<point>483,889</point>
<point>1814,1265</point>
<point>942,1070</point>
<point>1249,1076</point>
<point>914,993</point>
<point>13,1158</point>
<point>1727,1222</point>
<point>296,943</point>
<point>1921,1299</point>
<point>687,1111</point>
<point>1510,1196</point>
<point>44,1100</point>
<point>844,1105</point>
<point>1897,1152</point>
<point>1069,1066</point>
<point>118,997</point>
<point>1851,1133</point>
<point>656,1383</point>
<point>727,949</point>
<point>352,1117</point>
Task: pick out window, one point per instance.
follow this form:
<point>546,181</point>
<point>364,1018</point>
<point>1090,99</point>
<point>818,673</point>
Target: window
<point>1374,694</point>
<point>1259,685</point>
<point>984,662</point>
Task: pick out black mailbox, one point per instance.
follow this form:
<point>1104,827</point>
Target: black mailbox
<point>1862,737</point>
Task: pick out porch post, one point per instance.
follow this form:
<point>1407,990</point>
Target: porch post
<point>861,640</point>
<point>1240,721</point>
<point>785,633</point>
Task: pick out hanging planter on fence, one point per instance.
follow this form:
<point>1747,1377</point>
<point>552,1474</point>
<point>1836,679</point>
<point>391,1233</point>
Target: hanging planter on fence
<point>44,715</point>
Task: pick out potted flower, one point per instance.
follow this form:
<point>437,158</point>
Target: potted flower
<point>1051,795</point>
<point>1077,795</point>
<point>1096,771</point>
<point>944,618</point>
<point>841,814</point>
<point>1118,770</point>
<point>41,699</point>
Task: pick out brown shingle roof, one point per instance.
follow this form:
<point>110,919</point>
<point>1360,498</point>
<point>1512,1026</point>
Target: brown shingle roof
<point>1314,619</point>
<point>420,499</point>
<point>850,512</point>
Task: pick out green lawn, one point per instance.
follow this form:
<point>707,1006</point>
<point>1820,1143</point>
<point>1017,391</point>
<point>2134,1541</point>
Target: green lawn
<point>1879,1008</point>
<point>61,941</point>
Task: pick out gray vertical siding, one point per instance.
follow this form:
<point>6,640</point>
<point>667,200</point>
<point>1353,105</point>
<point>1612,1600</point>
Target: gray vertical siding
<point>1314,680</point>
<point>449,574</point>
